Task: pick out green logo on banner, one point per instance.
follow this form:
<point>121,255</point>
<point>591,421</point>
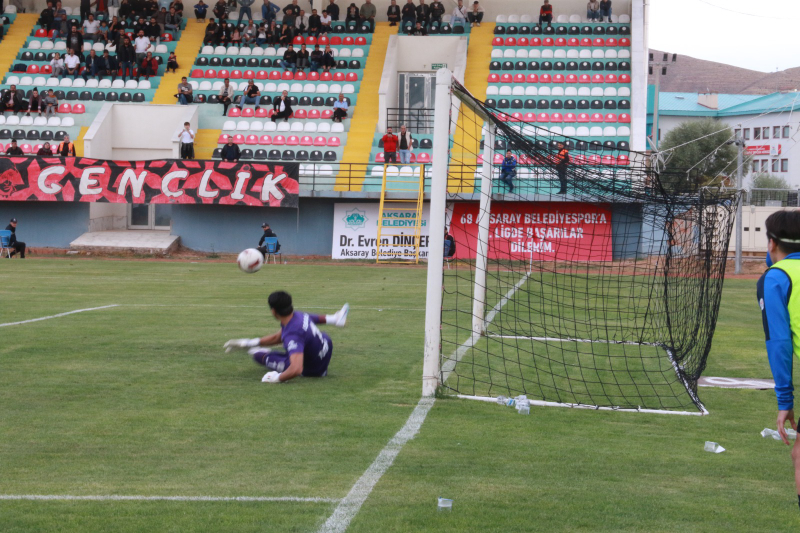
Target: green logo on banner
<point>355,219</point>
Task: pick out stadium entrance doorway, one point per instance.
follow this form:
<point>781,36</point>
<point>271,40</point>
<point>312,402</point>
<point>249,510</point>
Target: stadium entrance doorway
<point>415,99</point>
<point>149,216</point>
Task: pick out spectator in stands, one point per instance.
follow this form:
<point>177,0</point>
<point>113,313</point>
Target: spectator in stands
<point>289,61</point>
<point>325,22</point>
<point>141,44</point>
<point>251,95</point>
<point>149,66</point>
<point>224,33</point>
<point>437,12</point>
<point>303,60</point>
<point>66,148</point>
<point>593,10</point>
<point>57,66</point>
<point>236,37</point>
<point>221,10</point>
<point>140,25</point>
<point>173,21</point>
<point>352,15</point>
<point>45,151</point>
<point>249,34</point>
<point>211,32</point>
<point>268,234</point>
<point>273,34</point>
<point>115,30</point>
<point>459,15</point>
<point>150,8</point>
<point>508,170</point>
<point>226,95</point>
<point>282,108</point>
<point>47,16</point>
<point>185,92</point>
<point>230,152</point>
<point>409,14</point>
<point>418,29</point>
<point>126,55</point>
<point>72,64</point>
<point>137,8</point>
<point>92,64</point>
<point>291,10</point>
<point>86,9</point>
<point>562,163</point>
<point>404,145</point>
<point>244,9</point>
<point>300,23</point>
<point>177,5</point>
<point>314,24</point>
<point>12,227</point>
<point>423,13</point>
<point>91,28</point>
<point>75,40</point>
<point>35,104</point>
<point>605,10</point>
<point>475,15</point>
<point>60,9</point>
<point>14,150</point>
<point>186,138</point>
<point>200,10</point>
<point>172,63</point>
<point>61,28</point>
<point>107,66</point>
<point>125,10</point>
<point>315,58</point>
<point>154,28</point>
<point>449,245</point>
<point>102,34</point>
<point>340,109</point>
<point>390,145</point>
<point>287,33</point>
<point>546,13</point>
<point>328,60</point>
<point>393,13</point>
<point>113,8</point>
<point>368,12</point>
<point>269,11</point>
<point>333,10</point>
<point>13,100</point>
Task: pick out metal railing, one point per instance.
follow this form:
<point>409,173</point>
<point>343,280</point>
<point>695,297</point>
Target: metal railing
<point>418,120</point>
<point>773,197</point>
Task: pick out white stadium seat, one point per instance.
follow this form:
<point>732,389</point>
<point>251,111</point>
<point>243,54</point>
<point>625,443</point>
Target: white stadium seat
<point>324,127</point>
<point>309,88</point>
<point>560,54</point>
<point>205,85</point>
<point>513,19</point>
<point>575,19</point>
<point>501,19</point>
<point>624,131</point>
<point>284,126</point>
<point>598,54</point>
<point>624,19</point>
<point>570,91</point>
<point>497,53</point>
<point>244,51</point>
<point>544,91</point>
<point>610,91</point>
<point>573,54</point>
<point>40,121</point>
<point>609,131</point>
<point>562,19</point>
<point>557,91</point>
<point>13,120</point>
<point>47,45</point>
<point>509,53</point>
<point>583,131</point>
<point>547,54</point>
<point>232,51</point>
<point>569,131</point>
<point>118,84</point>
<point>348,88</point>
<point>344,52</point>
<point>216,86</point>
<point>195,85</point>
<point>310,127</point>
<point>92,84</point>
<point>624,91</point>
<point>522,53</point>
<point>242,125</point>
<point>78,82</point>
<point>624,54</point>
<point>229,125</point>
<point>505,90</point>
<point>270,126</point>
<point>611,54</point>
<point>584,91</point>
<point>35,45</point>
<point>67,122</point>
<point>54,121</point>
<point>526,19</point>
<point>270,51</point>
<point>597,91</point>
<point>297,127</point>
<point>52,82</point>
<point>585,54</point>
<point>283,87</point>
<point>271,87</point>
<point>60,45</point>
<point>358,52</point>
<point>97,47</point>
<point>162,49</point>
<point>219,51</point>
<point>38,81</point>
<point>256,126</point>
<point>26,121</point>
<point>207,51</point>
<point>531,90</point>
<point>335,88</point>
<point>595,131</point>
<point>257,51</point>
<point>322,88</point>
<point>518,90</point>
<point>296,88</point>
<point>26,80</point>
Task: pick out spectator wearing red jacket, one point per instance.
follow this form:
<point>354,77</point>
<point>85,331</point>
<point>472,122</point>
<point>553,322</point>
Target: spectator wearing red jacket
<point>389,146</point>
<point>546,13</point>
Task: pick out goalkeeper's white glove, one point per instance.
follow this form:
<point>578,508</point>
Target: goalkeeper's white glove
<point>240,344</point>
<point>271,377</point>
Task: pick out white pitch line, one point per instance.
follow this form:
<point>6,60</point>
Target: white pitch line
<point>348,508</point>
<point>57,316</point>
<point>263,307</point>
<point>113,497</point>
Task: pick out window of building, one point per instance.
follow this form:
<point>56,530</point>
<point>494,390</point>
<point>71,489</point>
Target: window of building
<point>764,165</point>
<point>775,166</point>
<point>747,134</point>
<point>765,133</point>
<point>756,133</point>
<point>755,166</point>
<point>786,132</point>
<point>784,165</point>
<point>737,132</point>
<point>776,132</point>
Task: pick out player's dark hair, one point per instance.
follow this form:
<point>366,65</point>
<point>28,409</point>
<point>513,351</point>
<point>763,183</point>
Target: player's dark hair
<point>783,226</point>
<point>281,302</point>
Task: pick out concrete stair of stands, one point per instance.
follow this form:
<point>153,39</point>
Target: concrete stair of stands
<point>186,51</point>
<point>364,118</point>
<point>204,143</point>
<point>15,39</point>
<point>134,241</point>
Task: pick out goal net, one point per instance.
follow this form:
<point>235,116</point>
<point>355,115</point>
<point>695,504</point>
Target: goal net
<point>603,296</point>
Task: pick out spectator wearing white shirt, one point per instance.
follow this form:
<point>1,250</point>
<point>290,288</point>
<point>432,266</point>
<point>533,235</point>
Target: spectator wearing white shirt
<point>459,14</point>
<point>325,22</point>
<point>57,65</point>
<point>91,28</point>
<point>72,63</point>
<point>186,137</point>
<point>141,44</point>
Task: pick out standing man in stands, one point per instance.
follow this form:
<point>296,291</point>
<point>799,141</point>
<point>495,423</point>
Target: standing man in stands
<point>390,146</point>
<point>13,243</point>
<point>437,12</point>
<point>423,13</point>
<point>230,152</point>
<point>244,9</point>
<point>546,13</point>
<point>186,137</point>
<point>268,233</point>
<point>66,148</point>
<point>508,169</point>
<point>449,245</point>
<point>409,14</point>
<point>333,10</point>
<point>126,55</point>
<point>404,145</point>
<point>562,162</point>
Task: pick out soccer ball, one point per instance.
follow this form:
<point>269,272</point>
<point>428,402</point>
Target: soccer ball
<point>250,260</point>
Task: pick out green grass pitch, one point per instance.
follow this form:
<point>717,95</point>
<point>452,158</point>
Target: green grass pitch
<point>140,399</point>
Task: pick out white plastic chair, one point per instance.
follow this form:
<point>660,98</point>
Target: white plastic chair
<point>26,80</point>
<point>513,19</point>
<point>54,121</point>
<point>26,121</point>
<point>297,127</point>
<point>284,127</point>
<point>562,19</point>
<point>219,51</point>
<point>162,49</point>
<point>358,52</point>
<point>35,45</point>
<point>67,122</point>
<point>229,125</point>
<point>310,127</point>
<point>324,127</point>
<point>205,85</point>
<point>242,125</point>
<point>78,83</point>
<point>13,120</point>
<point>232,51</point>
<point>623,131</point>
<point>575,19</point>
<point>52,82</point>
<point>40,121</point>
<point>48,45</point>
<point>348,88</point>
<point>337,127</point>
<point>609,131</point>
<point>501,19</point>
<point>118,84</point>
<point>322,88</point>
<point>207,50</point>
<point>624,19</point>
<point>256,126</point>
<point>595,131</point>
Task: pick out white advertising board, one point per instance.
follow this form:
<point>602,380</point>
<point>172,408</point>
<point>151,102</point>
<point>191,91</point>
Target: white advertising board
<point>355,231</point>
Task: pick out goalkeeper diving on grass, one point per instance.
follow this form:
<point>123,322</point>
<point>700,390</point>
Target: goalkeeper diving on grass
<point>308,350</point>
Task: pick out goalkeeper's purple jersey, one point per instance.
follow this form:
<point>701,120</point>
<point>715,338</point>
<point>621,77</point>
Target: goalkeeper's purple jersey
<point>301,334</point>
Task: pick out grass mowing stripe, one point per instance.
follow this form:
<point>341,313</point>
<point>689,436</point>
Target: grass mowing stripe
<point>58,315</point>
<point>115,497</point>
<point>348,508</point>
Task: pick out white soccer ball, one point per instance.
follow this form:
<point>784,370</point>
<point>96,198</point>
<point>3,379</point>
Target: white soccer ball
<point>250,260</point>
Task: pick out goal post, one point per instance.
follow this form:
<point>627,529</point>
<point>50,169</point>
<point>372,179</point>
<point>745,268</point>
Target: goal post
<point>604,296</point>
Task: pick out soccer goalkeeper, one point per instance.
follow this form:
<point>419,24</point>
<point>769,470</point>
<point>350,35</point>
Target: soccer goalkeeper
<point>779,299</point>
<point>308,350</point>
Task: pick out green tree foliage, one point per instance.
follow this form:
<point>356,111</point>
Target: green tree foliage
<point>764,180</point>
<point>706,153</point>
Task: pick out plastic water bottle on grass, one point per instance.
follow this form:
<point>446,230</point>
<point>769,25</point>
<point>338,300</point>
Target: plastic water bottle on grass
<point>502,400</point>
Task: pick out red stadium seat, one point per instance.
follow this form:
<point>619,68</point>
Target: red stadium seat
<point>327,114</point>
<point>166,37</point>
<point>533,78</point>
<point>573,41</point>
<point>424,157</point>
<point>379,157</point>
<point>78,109</point>
<point>238,138</point>
<point>523,41</point>
<point>611,117</point>
<point>300,76</point>
<point>313,114</point>
<point>275,75</point>
<point>542,117</point>
<point>510,41</point>
<point>570,117</point>
<point>305,140</point>
<point>545,78</point>
<point>529,117</point>
<point>335,40</point>
<point>548,41</point>
<point>322,41</point>
<point>248,112</point>
<point>348,41</point>
<point>196,73</point>
<point>311,40</point>
<point>598,42</point>
<point>556,117</point>
<point>27,148</point>
<point>65,108</point>
<point>611,78</point>
<point>593,159</point>
<point>262,75</point>
<point>519,78</point>
<point>320,141</point>
<point>598,78</point>
<point>624,117</point>
<point>561,42</point>
<point>515,117</point>
<point>223,138</point>
<point>298,40</point>
<point>558,78</point>
<point>502,117</point>
<point>625,42</point>
<point>286,76</point>
<point>251,139</point>
<point>325,76</point>
<point>300,114</point>
<point>624,78</point>
<point>497,159</point>
<point>46,69</point>
<point>584,78</point>
<point>608,160</point>
<point>279,140</point>
<point>361,41</point>
<point>265,140</point>
<point>338,76</point>
<point>351,76</point>
<point>586,41</point>
<point>236,74</point>
<point>40,33</point>
<point>597,117</point>
<point>572,78</point>
<point>313,76</point>
<point>249,74</point>
<point>623,160</point>
<point>536,41</point>
<point>33,69</point>
<point>334,141</point>
<point>611,42</point>
<point>493,78</point>
<point>261,113</point>
<point>583,117</point>
<point>506,78</point>
<point>222,74</point>
<point>234,112</point>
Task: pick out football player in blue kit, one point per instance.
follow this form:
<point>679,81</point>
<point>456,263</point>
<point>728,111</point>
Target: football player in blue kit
<point>307,349</point>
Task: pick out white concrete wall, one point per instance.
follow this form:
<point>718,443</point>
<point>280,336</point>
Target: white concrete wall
<point>388,90</point>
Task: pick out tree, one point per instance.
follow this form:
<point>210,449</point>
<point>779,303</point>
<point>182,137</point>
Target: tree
<point>764,180</point>
<point>699,145</point>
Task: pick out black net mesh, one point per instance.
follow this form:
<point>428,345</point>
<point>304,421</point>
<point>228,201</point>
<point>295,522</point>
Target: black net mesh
<point>604,295</point>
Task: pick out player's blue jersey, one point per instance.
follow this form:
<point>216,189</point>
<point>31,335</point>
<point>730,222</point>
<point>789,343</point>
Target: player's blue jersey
<point>301,334</point>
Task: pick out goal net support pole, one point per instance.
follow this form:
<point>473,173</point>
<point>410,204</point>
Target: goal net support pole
<point>482,245</point>
<point>433,300</point>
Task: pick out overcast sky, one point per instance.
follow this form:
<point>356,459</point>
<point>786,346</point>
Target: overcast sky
<point>759,35</point>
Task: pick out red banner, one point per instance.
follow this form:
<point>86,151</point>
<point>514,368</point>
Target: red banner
<point>169,181</point>
<point>568,231</point>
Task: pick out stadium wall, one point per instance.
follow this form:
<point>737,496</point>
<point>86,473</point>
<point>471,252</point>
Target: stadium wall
<point>47,224</point>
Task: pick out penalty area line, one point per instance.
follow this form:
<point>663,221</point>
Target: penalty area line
<point>58,315</point>
<point>136,498</point>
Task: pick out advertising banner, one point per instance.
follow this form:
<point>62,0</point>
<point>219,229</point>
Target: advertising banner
<point>355,230</point>
<point>167,181</point>
<point>546,231</point>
